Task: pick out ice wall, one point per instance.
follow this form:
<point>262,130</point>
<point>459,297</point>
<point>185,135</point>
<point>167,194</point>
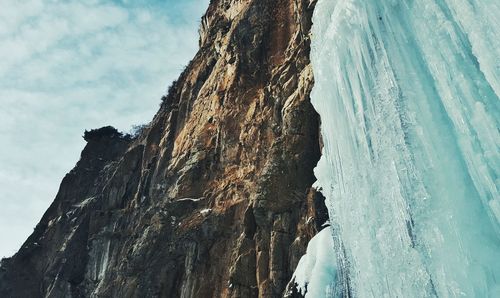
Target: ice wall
<point>408,93</point>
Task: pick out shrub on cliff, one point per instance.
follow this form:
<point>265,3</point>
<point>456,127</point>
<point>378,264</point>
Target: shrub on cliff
<point>106,131</point>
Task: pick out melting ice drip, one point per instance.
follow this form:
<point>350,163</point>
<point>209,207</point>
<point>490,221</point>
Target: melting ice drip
<point>408,92</point>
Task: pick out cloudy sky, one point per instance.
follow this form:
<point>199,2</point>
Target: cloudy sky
<point>67,66</point>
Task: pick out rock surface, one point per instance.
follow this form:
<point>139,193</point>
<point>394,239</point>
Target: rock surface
<point>213,198</point>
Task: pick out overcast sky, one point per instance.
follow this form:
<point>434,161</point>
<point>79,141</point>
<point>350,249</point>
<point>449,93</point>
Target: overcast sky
<point>67,66</point>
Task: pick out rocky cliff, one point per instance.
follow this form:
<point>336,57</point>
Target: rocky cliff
<point>213,198</point>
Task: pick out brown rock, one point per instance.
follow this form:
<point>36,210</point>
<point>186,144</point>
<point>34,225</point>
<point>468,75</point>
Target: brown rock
<point>213,198</point>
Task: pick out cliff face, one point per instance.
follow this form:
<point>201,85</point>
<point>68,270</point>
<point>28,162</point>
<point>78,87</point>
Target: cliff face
<point>213,198</point>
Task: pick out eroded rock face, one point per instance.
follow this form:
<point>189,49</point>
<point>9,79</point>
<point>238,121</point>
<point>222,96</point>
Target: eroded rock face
<point>214,197</point>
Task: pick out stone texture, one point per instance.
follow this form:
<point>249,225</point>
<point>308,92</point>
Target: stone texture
<point>213,198</point>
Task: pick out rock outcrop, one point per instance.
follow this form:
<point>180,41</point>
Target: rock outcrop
<point>213,198</point>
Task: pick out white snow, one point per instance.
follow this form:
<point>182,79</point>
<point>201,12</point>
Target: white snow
<point>317,269</point>
<point>190,199</point>
<point>206,211</point>
<point>85,202</point>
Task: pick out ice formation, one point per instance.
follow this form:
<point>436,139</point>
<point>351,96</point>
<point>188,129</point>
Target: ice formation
<point>408,93</point>
<point>316,272</point>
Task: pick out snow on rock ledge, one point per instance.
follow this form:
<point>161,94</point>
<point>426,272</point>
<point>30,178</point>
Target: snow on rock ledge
<point>316,272</point>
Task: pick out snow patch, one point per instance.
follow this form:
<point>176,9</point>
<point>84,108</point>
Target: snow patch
<point>317,269</point>
<point>206,212</point>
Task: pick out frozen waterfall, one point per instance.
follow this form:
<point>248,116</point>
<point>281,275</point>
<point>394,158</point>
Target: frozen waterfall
<point>408,92</point>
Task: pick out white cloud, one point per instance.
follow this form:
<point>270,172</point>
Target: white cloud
<point>66,67</point>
